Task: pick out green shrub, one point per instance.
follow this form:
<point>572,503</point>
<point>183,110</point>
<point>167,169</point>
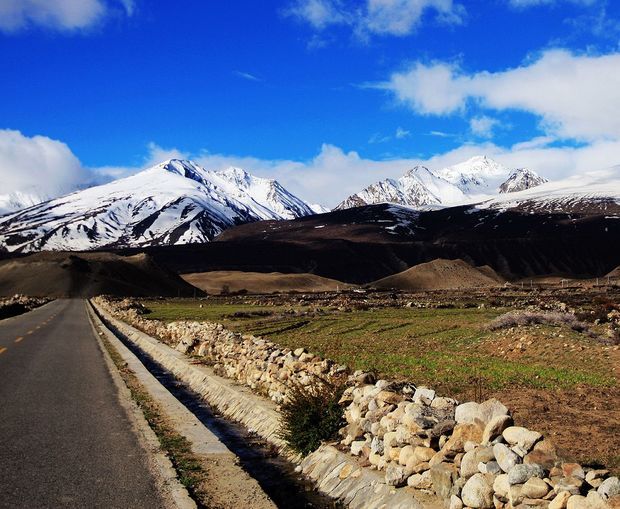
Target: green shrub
<point>311,414</point>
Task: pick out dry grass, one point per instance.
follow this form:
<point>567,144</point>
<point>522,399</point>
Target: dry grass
<point>187,465</point>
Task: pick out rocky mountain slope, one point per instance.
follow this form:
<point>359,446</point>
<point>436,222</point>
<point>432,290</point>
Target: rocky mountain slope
<point>175,202</point>
<point>569,227</point>
<point>476,179</point>
<point>520,180</point>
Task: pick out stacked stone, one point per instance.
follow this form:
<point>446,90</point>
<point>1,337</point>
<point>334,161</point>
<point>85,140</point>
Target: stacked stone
<point>469,454</point>
<point>19,304</point>
<point>27,302</point>
<point>255,362</point>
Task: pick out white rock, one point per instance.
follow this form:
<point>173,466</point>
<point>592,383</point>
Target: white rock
<point>490,409</point>
<point>467,412</point>
<point>577,502</point>
<point>560,500</point>
<point>535,488</point>
<point>501,486</point>
<point>357,447</point>
<point>523,437</point>
<point>505,458</point>
<point>423,392</point>
<point>491,467</point>
<point>455,502</point>
<point>609,488</point>
<point>519,474</point>
<point>495,427</point>
<point>478,492</point>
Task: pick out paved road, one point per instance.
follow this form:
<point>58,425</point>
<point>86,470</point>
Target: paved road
<point>65,440</point>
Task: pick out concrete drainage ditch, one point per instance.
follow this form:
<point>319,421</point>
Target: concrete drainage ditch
<point>334,474</point>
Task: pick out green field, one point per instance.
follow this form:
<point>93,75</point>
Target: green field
<point>449,349</point>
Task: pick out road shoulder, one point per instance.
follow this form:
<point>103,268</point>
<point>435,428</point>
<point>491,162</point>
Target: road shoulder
<point>173,493</point>
<point>228,485</point>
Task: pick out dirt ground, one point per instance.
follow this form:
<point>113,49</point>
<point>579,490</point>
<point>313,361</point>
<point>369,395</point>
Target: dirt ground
<point>583,422</point>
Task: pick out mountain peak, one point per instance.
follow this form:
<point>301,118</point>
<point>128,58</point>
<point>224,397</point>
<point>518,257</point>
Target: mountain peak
<point>416,170</point>
<point>174,202</point>
<point>521,179</point>
<point>184,168</point>
<point>235,172</point>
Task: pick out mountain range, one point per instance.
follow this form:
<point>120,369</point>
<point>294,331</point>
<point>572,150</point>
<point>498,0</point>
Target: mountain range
<point>175,202</point>
<point>474,180</point>
<point>179,202</point>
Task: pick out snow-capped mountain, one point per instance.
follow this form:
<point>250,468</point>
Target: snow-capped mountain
<point>419,187</point>
<point>477,179</point>
<point>478,176</point>
<point>175,202</point>
<point>520,180</point>
<point>595,192</point>
<point>19,200</point>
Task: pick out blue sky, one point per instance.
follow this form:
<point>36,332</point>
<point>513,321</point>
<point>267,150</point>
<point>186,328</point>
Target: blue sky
<point>325,95</point>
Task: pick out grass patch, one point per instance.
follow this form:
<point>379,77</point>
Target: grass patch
<point>451,349</point>
<point>188,466</point>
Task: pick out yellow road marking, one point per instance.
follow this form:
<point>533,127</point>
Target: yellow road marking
<point>30,332</point>
<point>19,339</point>
<point>2,350</point>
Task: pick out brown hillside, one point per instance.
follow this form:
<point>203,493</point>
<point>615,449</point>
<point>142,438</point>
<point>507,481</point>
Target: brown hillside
<point>60,274</point>
<point>256,282</point>
<point>440,274</point>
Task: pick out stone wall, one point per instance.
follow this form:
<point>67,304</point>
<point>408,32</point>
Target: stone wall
<point>19,304</point>
<point>470,454</point>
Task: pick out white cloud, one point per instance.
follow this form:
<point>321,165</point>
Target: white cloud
<point>318,13</point>
<point>38,165</point>
<point>429,89</point>
<point>402,133</point>
<point>483,126</point>
<point>334,174</point>
<point>575,96</point>
<point>440,134</point>
<point>382,17</point>
<point>63,15</point>
<point>47,167</point>
<point>247,76</point>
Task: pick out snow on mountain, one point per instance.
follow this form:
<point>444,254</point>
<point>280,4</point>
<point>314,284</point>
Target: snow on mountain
<point>19,200</point>
<point>475,180</point>
<point>595,192</point>
<point>478,176</point>
<point>268,193</point>
<point>175,202</point>
<point>419,187</point>
<point>521,179</point>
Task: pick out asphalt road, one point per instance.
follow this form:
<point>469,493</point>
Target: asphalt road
<point>65,439</point>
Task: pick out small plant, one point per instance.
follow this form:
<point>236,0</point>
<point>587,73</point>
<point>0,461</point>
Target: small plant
<point>311,414</point>
<point>552,318</point>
